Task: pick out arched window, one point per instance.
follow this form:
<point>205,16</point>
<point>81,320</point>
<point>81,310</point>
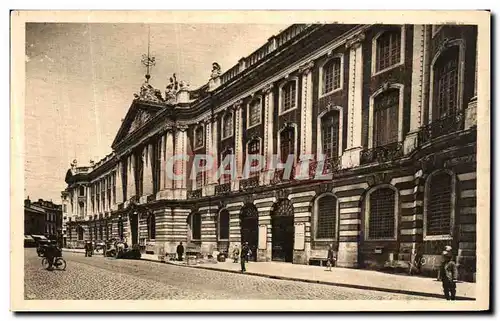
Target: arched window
<point>223,223</point>
<point>287,143</point>
<point>331,77</point>
<point>152,226</point>
<point>330,134</point>
<point>439,205</point>
<point>254,113</point>
<point>385,117</point>
<point>198,137</point>
<point>195,225</point>
<point>288,96</point>
<point>227,125</point>
<point>326,217</point>
<point>445,90</point>
<point>388,49</point>
<point>381,206</point>
<point>254,149</point>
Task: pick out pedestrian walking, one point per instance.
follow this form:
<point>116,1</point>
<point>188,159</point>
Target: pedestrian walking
<point>244,256</point>
<point>448,249</point>
<point>449,275</point>
<point>180,251</point>
<point>330,260</point>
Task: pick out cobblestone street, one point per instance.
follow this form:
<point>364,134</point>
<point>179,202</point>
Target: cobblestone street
<point>109,279</point>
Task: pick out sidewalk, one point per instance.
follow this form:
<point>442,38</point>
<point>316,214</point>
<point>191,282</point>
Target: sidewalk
<point>351,278</point>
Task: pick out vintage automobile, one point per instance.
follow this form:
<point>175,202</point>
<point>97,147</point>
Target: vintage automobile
<point>99,245</point>
<point>121,250</point>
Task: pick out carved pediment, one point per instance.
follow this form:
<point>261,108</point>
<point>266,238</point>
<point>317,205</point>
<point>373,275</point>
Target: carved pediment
<point>140,119</point>
<point>136,117</point>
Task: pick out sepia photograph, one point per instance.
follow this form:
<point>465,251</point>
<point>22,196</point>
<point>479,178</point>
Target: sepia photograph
<point>184,160</point>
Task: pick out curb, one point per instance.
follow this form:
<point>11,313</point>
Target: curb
<point>287,278</point>
<point>345,285</point>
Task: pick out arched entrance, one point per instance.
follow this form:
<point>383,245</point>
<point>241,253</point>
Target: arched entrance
<point>249,224</point>
<point>283,231</point>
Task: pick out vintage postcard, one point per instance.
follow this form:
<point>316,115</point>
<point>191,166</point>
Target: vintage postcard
<point>303,160</point>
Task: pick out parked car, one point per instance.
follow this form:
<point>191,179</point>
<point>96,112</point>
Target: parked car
<point>29,241</point>
<point>123,251</point>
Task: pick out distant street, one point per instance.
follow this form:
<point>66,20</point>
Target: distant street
<point>99,278</point>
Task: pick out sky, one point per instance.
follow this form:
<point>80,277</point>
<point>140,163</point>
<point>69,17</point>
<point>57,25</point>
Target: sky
<point>81,78</point>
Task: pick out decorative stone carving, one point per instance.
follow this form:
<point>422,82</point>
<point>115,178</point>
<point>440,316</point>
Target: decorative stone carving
<point>171,90</point>
<point>354,41</point>
<point>182,127</point>
<point>149,93</point>
<point>216,71</point>
<point>268,88</point>
<point>444,44</point>
<point>238,104</point>
<point>306,68</point>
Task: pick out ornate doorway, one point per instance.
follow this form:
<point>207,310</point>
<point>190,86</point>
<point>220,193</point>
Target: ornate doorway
<point>283,230</point>
<point>249,223</point>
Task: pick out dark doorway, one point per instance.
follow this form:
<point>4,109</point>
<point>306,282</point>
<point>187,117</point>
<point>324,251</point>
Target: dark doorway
<point>134,227</point>
<point>283,230</point>
<point>249,223</point>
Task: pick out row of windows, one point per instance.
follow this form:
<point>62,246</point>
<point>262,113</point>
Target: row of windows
<point>381,210</point>
<point>386,106</point>
<point>106,230</point>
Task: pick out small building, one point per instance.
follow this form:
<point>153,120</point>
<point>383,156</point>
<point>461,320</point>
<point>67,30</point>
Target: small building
<point>34,219</point>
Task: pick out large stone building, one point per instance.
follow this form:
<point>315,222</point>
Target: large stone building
<point>43,218</point>
<point>391,107</point>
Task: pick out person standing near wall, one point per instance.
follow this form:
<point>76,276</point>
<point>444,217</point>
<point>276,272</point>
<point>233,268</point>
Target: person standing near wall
<point>244,255</point>
<point>449,275</point>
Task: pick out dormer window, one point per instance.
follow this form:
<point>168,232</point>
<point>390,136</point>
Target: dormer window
<point>227,126</point>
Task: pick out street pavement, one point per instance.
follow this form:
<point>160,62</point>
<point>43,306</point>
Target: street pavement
<point>99,278</point>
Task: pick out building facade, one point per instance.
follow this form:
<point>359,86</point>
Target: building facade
<point>390,109</point>
<point>34,219</point>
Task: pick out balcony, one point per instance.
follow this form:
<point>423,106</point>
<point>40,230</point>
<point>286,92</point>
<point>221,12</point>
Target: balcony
<point>331,166</point>
<point>280,177</point>
<point>249,183</point>
<point>223,189</point>
<point>194,194</point>
<point>441,127</point>
<point>382,154</point>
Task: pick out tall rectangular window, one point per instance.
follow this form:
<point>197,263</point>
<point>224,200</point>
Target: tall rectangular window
<point>385,118</point>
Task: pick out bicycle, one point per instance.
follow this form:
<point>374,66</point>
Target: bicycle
<point>416,264</point>
<point>59,263</point>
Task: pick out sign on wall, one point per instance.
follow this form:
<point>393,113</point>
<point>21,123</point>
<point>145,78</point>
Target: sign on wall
<point>300,236</point>
<point>262,237</point>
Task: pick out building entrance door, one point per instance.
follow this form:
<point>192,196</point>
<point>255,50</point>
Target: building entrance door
<point>134,227</point>
<point>249,224</point>
<point>283,231</point>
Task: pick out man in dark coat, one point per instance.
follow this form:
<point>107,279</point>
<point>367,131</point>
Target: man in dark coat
<point>245,249</point>
<point>180,251</point>
<point>449,275</point>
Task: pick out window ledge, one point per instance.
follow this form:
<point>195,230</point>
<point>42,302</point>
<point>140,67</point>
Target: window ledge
<point>331,92</point>
<point>199,147</point>
<point>287,111</point>
<point>438,237</point>
<point>378,240</point>
<point>376,73</point>
<point>325,239</point>
<point>227,137</point>
<point>254,125</point>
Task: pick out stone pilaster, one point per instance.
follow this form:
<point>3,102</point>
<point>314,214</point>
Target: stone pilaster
<point>180,165</point>
<point>147,176</point>
<point>208,229</point>
<point>351,156</point>
<point>130,177</point>
<point>419,73</point>
<point>268,130</point>
<point>118,184</point>
<point>238,147</point>
<point>264,207</point>
<point>306,130</point>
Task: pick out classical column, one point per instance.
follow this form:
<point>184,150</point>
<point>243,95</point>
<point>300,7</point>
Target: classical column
<point>351,156</point>
<point>130,176</point>
<point>147,175</point>
<point>419,73</point>
<point>238,144</point>
<point>210,145</point>
<point>215,148</point>
<point>118,184</point>
<point>180,167</point>
<point>268,129</point>
<point>306,131</point>
<point>168,164</point>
